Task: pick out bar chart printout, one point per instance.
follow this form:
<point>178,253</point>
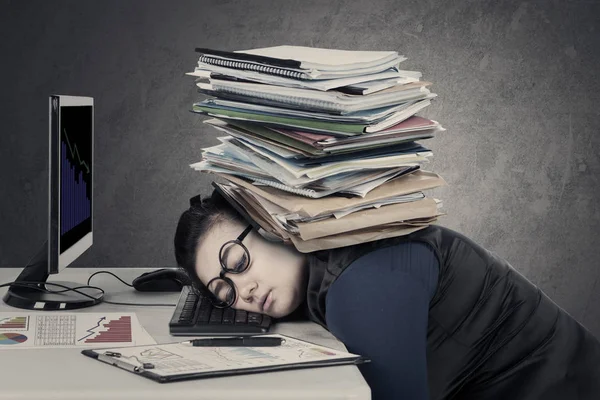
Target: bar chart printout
<point>14,323</point>
<point>115,331</point>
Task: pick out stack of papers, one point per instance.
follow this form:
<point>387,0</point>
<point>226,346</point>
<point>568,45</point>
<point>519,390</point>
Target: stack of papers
<point>319,146</point>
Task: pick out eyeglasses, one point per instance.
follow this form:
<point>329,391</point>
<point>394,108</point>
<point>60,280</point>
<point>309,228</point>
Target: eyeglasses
<point>235,259</point>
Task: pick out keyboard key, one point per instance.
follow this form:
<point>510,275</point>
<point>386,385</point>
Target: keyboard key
<point>228,316</point>
<point>266,322</point>
<point>216,316</point>
<point>185,322</point>
<point>204,313</point>
<point>254,318</point>
<point>241,317</point>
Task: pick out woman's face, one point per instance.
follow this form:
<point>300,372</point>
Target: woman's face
<point>277,273</point>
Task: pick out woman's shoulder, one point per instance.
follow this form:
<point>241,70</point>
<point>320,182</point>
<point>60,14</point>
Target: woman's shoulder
<point>406,261</point>
<point>354,251</point>
<point>400,254</point>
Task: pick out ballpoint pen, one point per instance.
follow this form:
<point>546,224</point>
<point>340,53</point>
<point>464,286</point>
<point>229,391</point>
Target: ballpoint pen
<point>238,341</point>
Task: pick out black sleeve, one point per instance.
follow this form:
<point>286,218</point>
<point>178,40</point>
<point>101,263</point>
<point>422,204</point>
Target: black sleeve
<point>378,308</point>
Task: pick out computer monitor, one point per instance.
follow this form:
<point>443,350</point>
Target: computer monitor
<point>70,210</point>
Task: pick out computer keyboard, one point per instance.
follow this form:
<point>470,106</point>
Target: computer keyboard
<point>196,316</point>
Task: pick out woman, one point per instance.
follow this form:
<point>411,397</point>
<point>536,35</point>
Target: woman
<point>439,316</point>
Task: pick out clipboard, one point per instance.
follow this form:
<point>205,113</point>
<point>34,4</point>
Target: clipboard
<point>179,361</point>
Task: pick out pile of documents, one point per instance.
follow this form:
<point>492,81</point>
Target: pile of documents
<point>319,145</point>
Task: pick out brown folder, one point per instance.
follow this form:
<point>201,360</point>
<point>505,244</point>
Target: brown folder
<point>307,207</point>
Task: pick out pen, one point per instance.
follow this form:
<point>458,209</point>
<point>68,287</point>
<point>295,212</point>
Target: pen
<point>238,341</point>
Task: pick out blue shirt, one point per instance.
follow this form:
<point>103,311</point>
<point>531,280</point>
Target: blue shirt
<point>378,307</point>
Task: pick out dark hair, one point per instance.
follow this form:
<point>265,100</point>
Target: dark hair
<point>193,224</point>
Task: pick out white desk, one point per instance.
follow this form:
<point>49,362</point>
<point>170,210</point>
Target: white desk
<point>66,374</point>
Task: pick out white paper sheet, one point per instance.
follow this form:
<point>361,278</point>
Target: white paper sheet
<point>23,330</point>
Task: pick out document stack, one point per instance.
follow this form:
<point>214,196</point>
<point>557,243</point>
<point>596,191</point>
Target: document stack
<point>319,146</point>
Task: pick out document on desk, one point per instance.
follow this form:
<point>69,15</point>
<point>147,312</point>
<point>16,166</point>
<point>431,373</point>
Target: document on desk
<point>25,330</point>
<point>179,361</point>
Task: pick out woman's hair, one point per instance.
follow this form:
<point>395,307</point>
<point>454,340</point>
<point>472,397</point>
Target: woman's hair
<point>193,224</point>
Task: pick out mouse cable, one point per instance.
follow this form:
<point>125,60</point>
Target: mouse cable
<point>107,272</point>
<point>36,286</point>
<point>126,304</point>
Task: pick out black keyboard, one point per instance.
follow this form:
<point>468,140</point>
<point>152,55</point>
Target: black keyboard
<point>196,316</point>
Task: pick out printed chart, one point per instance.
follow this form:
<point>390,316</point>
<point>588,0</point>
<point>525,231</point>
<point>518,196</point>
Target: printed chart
<point>55,330</point>
<point>12,338</point>
<point>14,323</point>
<point>112,331</point>
<point>169,361</point>
<point>33,330</point>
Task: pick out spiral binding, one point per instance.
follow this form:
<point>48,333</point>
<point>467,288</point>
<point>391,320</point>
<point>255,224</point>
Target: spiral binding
<point>250,66</point>
<point>282,99</point>
<point>280,186</point>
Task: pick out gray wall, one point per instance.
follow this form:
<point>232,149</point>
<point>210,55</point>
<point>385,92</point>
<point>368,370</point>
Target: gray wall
<point>518,88</point>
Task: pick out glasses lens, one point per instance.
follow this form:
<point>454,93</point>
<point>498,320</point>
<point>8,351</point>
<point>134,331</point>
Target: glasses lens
<point>222,290</point>
<point>234,257</point>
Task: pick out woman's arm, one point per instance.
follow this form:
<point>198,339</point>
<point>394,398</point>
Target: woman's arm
<point>379,308</point>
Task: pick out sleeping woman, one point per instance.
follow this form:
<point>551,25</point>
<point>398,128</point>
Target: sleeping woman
<point>439,316</point>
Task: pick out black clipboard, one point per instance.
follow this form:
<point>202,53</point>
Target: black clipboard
<point>137,367</point>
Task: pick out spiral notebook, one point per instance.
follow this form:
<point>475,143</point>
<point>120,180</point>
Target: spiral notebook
<point>299,191</point>
<point>357,84</point>
<point>299,62</point>
<point>333,101</point>
<point>182,361</point>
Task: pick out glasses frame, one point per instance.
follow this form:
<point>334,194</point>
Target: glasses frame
<point>215,301</point>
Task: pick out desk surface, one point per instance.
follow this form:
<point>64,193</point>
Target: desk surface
<point>67,374</point>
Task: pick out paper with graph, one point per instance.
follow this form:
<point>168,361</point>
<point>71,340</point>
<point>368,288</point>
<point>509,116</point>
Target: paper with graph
<point>172,361</point>
<point>77,330</point>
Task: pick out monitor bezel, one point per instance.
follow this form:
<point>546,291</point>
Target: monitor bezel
<point>57,261</point>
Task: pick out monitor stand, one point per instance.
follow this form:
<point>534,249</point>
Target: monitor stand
<point>32,296</point>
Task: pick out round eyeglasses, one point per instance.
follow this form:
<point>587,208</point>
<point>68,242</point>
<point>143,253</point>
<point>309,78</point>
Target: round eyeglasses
<point>235,259</point>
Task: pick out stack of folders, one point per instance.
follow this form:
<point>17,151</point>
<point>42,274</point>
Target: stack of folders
<point>320,145</point>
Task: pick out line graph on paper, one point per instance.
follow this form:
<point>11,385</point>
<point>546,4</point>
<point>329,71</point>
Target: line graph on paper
<point>313,352</point>
<point>93,330</point>
<point>155,354</point>
<point>168,362</point>
<point>239,356</point>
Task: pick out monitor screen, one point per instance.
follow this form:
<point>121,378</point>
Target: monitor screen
<point>76,174</point>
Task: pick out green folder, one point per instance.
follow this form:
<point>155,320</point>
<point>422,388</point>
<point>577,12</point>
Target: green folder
<point>299,123</point>
<point>267,134</point>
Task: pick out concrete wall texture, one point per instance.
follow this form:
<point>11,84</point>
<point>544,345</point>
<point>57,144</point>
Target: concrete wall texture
<point>518,87</point>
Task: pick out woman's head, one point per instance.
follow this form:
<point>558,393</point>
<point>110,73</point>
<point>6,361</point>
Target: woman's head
<point>275,271</point>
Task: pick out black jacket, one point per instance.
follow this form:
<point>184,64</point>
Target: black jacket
<point>491,333</point>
